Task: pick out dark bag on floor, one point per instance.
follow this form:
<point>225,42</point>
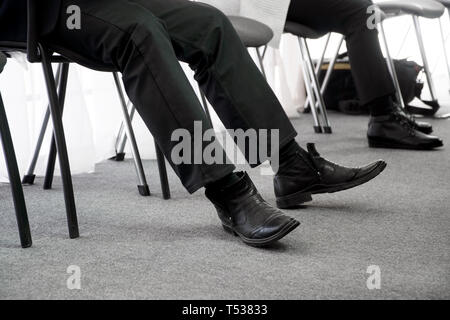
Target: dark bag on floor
<point>341,92</point>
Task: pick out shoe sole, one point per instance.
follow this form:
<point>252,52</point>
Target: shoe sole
<point>425,131</point>
<point>288,228</point>
<point>299,198</point>
<point>390,144</point>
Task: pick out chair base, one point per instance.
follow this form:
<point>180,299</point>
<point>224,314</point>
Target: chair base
<point>29,179</point>
<point>327,130</point>
<point>119,157</point>
<point>144,191</point>
<point>317,129</point>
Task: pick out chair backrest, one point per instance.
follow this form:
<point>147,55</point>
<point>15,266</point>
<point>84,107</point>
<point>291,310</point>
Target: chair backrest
<point>31,47</point>
<point>32,32</point>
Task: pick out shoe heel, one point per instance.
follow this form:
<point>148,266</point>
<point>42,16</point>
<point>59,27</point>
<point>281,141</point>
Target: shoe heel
<point>229,230</point>
<point>375,143</point>
<point>293,201</point>
<point>385,144</point>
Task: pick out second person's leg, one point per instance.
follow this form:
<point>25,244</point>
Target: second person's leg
<point>349,17</point>
<point>389,126</point>
<point>205,38</point>
<point>131,38</point>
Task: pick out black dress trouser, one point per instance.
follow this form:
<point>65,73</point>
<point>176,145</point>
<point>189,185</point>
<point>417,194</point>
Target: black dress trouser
<point>146,39</point>
<point>349,17</point>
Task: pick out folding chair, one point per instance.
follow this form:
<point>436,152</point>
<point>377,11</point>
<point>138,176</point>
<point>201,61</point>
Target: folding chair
<point>416,9</point>
<point>38,52</point>
<point>13,172</point>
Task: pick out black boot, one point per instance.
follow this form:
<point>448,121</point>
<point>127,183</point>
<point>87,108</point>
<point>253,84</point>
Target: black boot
<point>421,126</point>
<point>306,173</point>
<point>244,213</point>
<point>396,131</point>
<point>387,105</point>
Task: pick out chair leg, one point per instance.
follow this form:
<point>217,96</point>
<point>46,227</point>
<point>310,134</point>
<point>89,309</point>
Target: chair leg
<point>424,58</point>
<point>121,141</point>
<point>14,177</point>
<point>391,66</point>
<point>165,188</point>
<point>444,47</point>
<point>320,63</point>
<point>30,176</point>
<point>309,90</point>
<point>60,144</point>
<point>316,87</point>
<point>143,188</point>
<point>48,180</point>
<point>51,161</point>
<point>261,63</point>
<point>322,57</point>
<point>327,78</point>
<point>205,106</point>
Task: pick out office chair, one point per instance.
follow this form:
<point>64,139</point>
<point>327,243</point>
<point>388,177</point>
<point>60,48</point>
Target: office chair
<point>429,9</point>
<point>446,4</point>
<point>254,35</point>
<point>13,172</point>
<point>38,52</point>
<point>310,72</point>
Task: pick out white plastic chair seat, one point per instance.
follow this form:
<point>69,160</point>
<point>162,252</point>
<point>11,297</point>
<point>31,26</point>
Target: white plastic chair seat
<point>421,8</point>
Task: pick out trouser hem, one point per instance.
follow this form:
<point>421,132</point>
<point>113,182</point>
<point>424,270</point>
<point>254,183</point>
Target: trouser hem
<point>210,176</point>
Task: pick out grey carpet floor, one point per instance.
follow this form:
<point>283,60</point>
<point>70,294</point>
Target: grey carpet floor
<point>133,247</point>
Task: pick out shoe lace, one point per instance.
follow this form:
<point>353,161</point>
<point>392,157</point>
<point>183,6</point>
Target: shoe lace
<point>404,113</point>
<point>407,122</point>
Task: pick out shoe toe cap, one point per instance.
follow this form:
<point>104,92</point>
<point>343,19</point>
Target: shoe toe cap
<point>273,226</point>
<point>369,168</point>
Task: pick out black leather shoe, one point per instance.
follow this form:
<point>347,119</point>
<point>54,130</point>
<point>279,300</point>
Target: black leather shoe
<point>395,131</point>
<point>421,126</point>
<point>244,213</point>
<point>292,189</point>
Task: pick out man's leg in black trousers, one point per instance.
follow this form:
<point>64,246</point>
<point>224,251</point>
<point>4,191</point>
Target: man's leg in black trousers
<point>191,32</point>
<point>137,42</point>
<point>349,17</point>
<point>389,126</point>
<point>205,39</point>
<point>144,39</point>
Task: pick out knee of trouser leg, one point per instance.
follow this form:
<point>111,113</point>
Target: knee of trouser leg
<point>136,37</point>
<point>216,29</point>
<point>147,30</point>
<point>212,18</point>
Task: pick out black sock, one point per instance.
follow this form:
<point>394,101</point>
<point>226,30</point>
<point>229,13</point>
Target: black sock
<point>288,155</point>
<point>381,106</point>
<point>291,164</point>
<point>224,182</point>
<point>289,149</point>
